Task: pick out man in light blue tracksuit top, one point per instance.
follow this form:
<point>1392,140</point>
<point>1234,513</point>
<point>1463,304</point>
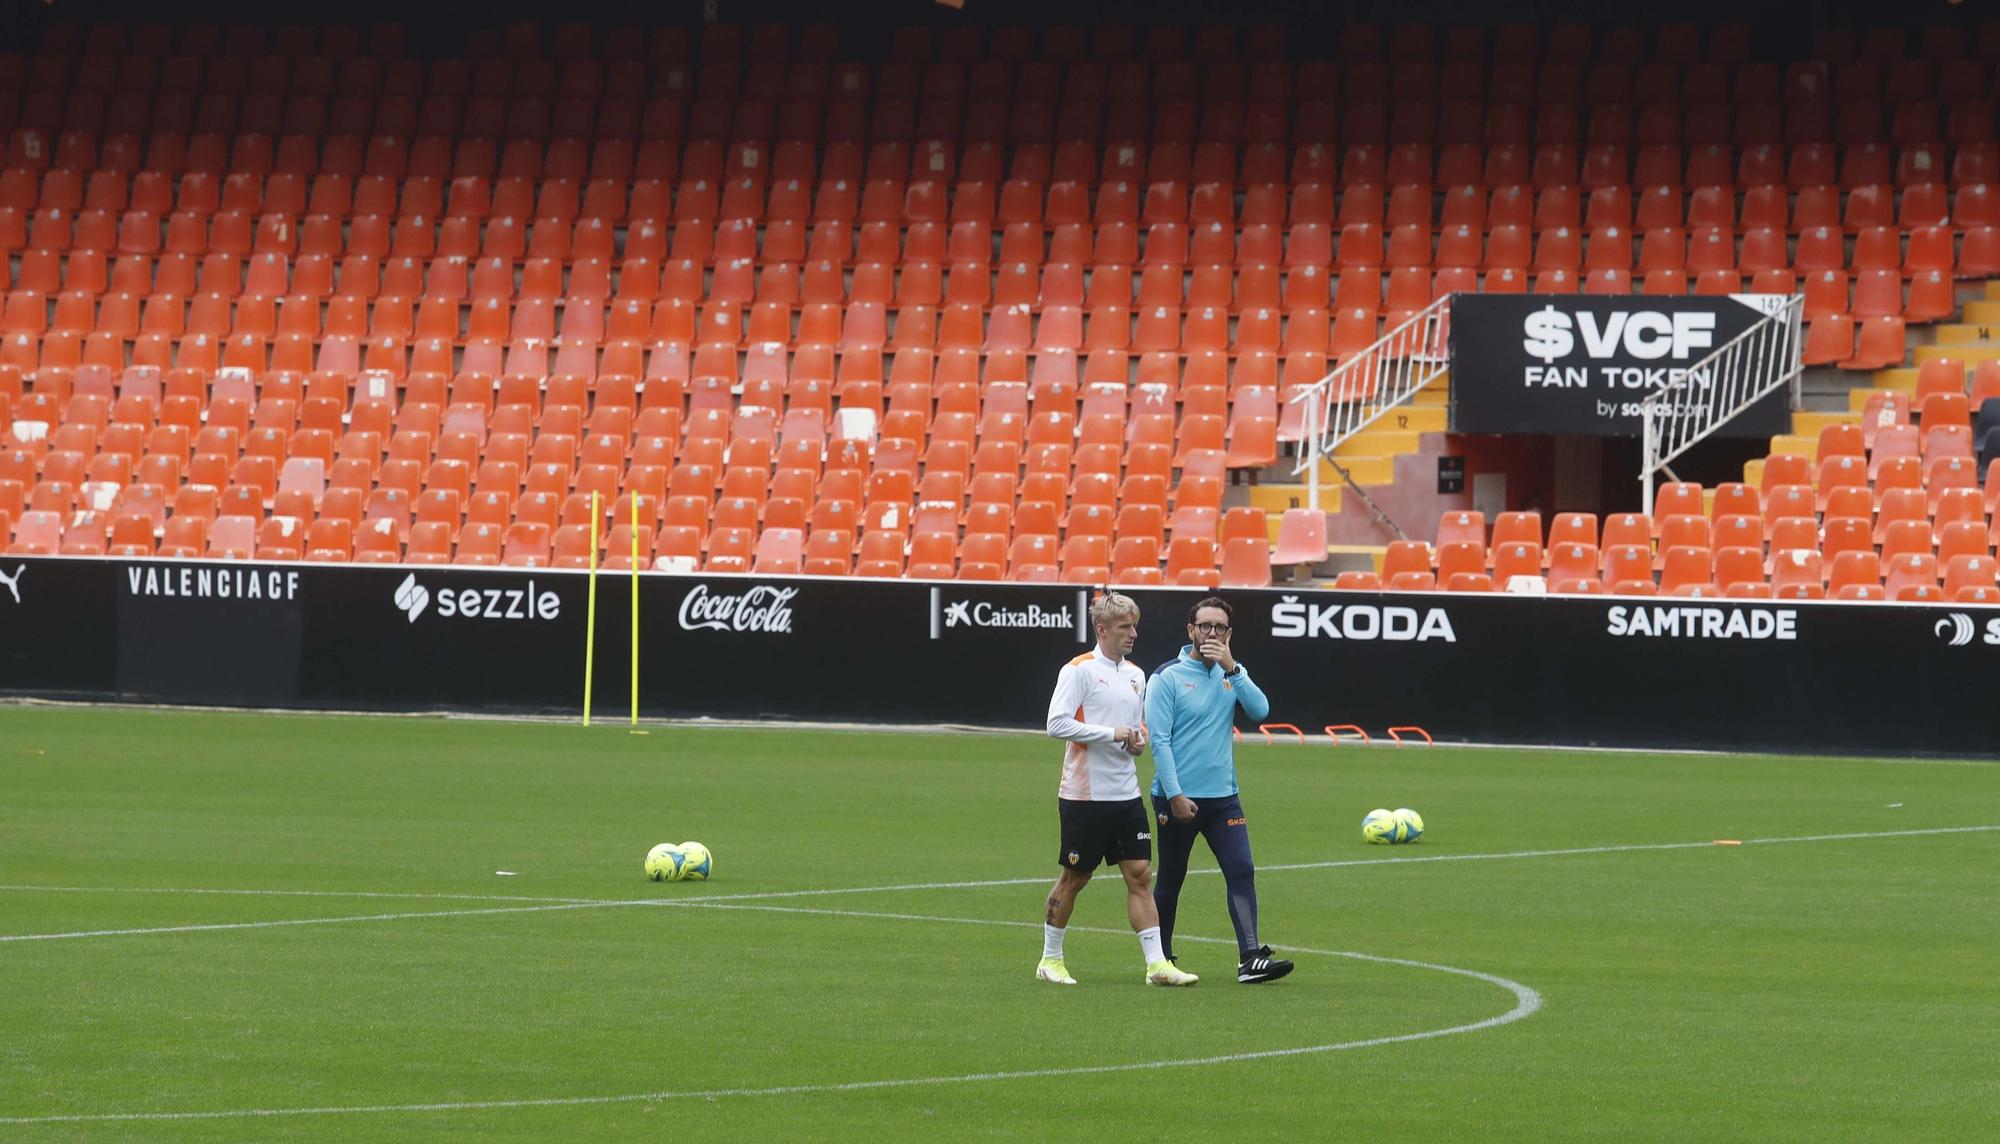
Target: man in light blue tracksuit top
<point>1190,714</point>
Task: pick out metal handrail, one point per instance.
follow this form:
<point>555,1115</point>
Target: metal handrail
<point>1358,391</point>
<point>1719,387</point>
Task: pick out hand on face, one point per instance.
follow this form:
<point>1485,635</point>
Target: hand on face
<point>1211,639</point>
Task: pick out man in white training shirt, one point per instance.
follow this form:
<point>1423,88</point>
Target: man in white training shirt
<point>1099,711</point>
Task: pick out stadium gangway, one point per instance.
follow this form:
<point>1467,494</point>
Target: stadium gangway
<point>1738,374</point>
<point>1361,389</point>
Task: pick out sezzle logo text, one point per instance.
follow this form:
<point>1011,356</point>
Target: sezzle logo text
<point>478,603</point>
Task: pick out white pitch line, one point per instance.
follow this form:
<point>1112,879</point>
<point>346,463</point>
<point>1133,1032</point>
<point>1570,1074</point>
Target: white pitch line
<point>882,889</point>
<point>1871,834</point>
<point>1637,847</point>
<point>214,926</point>
<point>1493,856</point>
<point>1523,994</point>
<point>601,903</point>
<point>292,893</point>
<point>1527,1002</point>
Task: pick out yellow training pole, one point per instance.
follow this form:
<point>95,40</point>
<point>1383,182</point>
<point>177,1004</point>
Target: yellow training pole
<point>635,608</point>
<point>590,615</point>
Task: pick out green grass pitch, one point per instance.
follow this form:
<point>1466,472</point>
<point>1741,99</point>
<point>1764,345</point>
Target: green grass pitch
<point>1795,987</point>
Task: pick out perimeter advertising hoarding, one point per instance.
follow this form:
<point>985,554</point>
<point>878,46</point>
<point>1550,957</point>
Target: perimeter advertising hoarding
<point>1803,676</point>
<point>1795,676</point>
<point>1583,364</point>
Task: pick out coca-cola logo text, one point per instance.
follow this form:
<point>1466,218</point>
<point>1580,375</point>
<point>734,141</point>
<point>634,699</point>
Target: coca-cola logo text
<point>759,609</point>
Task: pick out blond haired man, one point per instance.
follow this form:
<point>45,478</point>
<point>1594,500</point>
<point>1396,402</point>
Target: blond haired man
<point>1099,711</point>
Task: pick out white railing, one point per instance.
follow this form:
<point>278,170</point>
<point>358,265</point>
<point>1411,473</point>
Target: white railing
<point>1369,384</point>
<point>1720,386</point>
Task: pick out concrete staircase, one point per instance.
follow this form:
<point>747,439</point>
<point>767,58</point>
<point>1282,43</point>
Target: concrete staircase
<point>1974,338</point>
<point>1832,397</point>
<point>1381,459</point>
<point>1392,459</point>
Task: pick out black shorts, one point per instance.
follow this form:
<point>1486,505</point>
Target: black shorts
<point>1103,832</point>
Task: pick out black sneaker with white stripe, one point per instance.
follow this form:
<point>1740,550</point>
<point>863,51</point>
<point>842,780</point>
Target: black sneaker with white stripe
<point>1260,967</point>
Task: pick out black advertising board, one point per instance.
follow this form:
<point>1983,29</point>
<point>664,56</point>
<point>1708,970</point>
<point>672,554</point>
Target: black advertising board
<point>828,650</point>
<point>58,627</point>
<point>835,650</point>
<point>189,631</point>
<point>444,638</point>
<point>1820,677</point>
<point>1782,676</point>
<point>1583,364</point>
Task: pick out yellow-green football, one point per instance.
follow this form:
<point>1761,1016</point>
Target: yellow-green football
<point>699,862</point>
<point>1413,823</point>
<point>666,862</point>
<point>1379,827</point>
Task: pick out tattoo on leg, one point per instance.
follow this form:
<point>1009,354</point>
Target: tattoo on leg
<point>1054,902</point>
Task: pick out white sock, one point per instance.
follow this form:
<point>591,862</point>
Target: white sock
<point>1149,945</point>
<point>1052,939</point>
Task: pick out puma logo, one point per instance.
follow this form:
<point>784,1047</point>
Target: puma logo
<point>13,583</point>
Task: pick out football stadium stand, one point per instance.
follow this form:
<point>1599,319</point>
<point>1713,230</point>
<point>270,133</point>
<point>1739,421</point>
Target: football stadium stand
<point>1010,303</point>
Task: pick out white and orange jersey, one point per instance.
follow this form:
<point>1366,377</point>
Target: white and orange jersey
<point>1096,695</point>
